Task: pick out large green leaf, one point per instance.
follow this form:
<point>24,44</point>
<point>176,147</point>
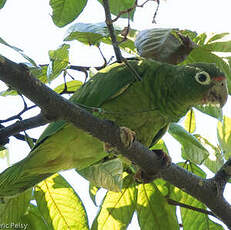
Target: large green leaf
<point>59,61</point>
<point>218,46</point>
<point>192,149</point>
<point>65,11</point>
<point>107,174</point>
<point>87,33</point>
<point>19,51</point>
<point>224,136</point>
<point>94,33</point>
<point>34,220</point>
<point>116,6</point>
<point>12,209</point>
<point>2,3</point>
<point>117,208</point>
<point>60,205</point>
<point>153,209</point>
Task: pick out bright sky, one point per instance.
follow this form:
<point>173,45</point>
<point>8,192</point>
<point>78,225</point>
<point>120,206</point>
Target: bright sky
<point>27,24</point>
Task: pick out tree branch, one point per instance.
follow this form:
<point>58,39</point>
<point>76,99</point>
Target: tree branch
<point>176,203</point>
<point>112,31</point>
<point>19,126</point>
<point>55,107</point>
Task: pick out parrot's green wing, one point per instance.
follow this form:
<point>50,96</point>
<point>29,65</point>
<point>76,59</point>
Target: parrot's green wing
<point>97,90</point>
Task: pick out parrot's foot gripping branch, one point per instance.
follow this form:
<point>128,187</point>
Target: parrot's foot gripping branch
<point>127,137</point>
<point>143,177</point>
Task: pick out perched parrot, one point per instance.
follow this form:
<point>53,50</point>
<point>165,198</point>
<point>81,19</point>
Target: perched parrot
<point>146,100</point>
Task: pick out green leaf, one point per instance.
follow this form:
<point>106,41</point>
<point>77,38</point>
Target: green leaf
<point>192,149</point>
<point>189,216</point>
<point>59,61</point>
<point>218,46</point>
<point>4,153</point>
<point>224,136</point>
<point>12,209</point>
<point>193,168</point>
<point>65,11</point>
<point>8,92</point>
<point>190,122</point>
<point>200,39</point>
<point>116,6</point>
<point>107,174</point>
<point>188,33</point>
<point>87,33</point>
<point>160,145</point>
<point>215,159</point>
<point>19,51</point>
<point>34,219</point>
<point>2,3</point>
<point>153,209</point>
<point>40,73</point>
<point>60,205</point>
<point>211,110</point>
<point>117,208</point>
<point>94,33</point>
<point>128,44</point>
<point>71,86</point>
<point>92,192</point>
<point>217,37</point>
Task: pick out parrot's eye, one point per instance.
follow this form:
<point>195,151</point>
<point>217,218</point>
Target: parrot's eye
<point>203,78</point>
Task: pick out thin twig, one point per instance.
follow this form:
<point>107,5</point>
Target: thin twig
<point>176,203</point>
<point>156,11</point>
<point>137,76</point>
<point>111,30</point>
<point>19,126</point>
<point>18,116</point>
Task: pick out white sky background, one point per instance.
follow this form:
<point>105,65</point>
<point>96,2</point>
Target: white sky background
<point>27,24</point>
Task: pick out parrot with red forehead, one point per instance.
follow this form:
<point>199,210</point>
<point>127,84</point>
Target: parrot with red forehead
<point>145,102</point>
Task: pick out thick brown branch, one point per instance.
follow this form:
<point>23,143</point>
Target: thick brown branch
<point>55,107</point>
<point>222,176</point>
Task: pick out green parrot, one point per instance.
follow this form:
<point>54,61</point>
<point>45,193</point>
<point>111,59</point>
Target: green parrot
<point>146,100</point>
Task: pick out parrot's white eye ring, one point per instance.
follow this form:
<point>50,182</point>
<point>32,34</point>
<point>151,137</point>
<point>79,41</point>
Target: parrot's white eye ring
<point>203,78</point>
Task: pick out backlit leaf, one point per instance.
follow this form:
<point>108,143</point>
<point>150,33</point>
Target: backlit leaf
<point>117,208</point>
<point>60,205</point>
<point>224,136</point>
<point>65,11</point>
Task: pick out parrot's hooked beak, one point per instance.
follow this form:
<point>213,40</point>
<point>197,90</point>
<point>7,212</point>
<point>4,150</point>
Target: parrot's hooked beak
<point>218,94</point>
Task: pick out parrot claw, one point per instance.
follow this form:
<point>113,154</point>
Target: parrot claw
<point>144,178</point>
<point>127,136</point>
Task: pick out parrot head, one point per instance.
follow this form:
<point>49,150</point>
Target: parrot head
<point>203,83</point>
<point>213,82</point>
